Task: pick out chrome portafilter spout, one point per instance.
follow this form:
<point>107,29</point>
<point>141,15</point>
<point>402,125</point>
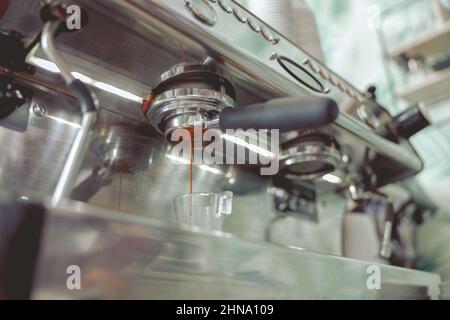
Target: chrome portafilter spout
<point>189,95</point>
<point>309,155</point>
<point>55,22</point>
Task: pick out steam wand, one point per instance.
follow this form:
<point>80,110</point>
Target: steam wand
<point>88,107</point>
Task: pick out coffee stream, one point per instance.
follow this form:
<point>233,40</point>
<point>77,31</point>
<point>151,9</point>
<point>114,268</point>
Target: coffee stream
<point>194,133</point>
<point>191,164</point>
<point>191,167</point>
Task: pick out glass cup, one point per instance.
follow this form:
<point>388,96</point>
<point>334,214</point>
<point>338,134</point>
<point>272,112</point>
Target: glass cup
<point>203,210</point>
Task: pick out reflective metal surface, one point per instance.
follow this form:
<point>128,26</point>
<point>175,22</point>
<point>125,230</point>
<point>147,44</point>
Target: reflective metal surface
<point>310,157</point>
<point>186,107</point>
<point>128,257</point>
<point>202,10</point>
<point>130,29</point>
<point>75,157</point>
<point>47,43</point>
<point>189,95</point>
<point>144,177</point>
<point>129,244</point>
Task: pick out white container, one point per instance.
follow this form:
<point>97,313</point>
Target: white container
<point>359,238</point>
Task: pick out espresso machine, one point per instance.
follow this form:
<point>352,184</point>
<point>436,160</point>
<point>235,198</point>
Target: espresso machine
<point>88,176</point>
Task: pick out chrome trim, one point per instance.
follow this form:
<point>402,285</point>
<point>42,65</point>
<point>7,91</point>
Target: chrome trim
<point>211,21</point>
<point>181,107</point>
<point>239,16</point>
<point>185,67</point>
<point>309,151</point>
<point>202,94</point>
<point>401,154</point>
<point>249,61</point>
<point>189,106</point>
<point>267,34</point>
<point>47,43</point>
<point>252,24</point>
<point>79,147</point>
<point>75,159</point>
<point>225,7</point>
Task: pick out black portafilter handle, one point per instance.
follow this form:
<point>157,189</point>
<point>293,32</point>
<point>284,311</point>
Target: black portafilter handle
<point>411,121</point>
<point>285,114</point>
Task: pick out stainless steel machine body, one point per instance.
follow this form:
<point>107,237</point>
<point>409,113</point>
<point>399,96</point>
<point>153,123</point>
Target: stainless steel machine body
<point>128,257</point>
<point>121,54</point>
<point>132,56</point>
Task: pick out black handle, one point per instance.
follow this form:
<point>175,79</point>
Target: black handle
<point>284,114</point>
<point>411,121</point>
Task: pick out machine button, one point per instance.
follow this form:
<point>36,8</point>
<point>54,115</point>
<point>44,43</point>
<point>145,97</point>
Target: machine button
<point>266,34</point>
<point>342,87</point>
<point>202,10</point>
<point>324,74</point>
<point>239,16</point>
<point>311,65</point>
<point>314,68</point>
<point>224,5</point>
<point>352,94</point>
<point>253,25</point>
<point>334,81</point>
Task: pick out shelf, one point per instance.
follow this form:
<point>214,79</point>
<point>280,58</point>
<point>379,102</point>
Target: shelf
<point>434,87</point>
<point>432,42</point>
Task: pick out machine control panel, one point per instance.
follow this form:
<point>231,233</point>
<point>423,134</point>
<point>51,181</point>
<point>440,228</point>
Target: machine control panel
<point>344,88</point>
<point>204,11</point>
